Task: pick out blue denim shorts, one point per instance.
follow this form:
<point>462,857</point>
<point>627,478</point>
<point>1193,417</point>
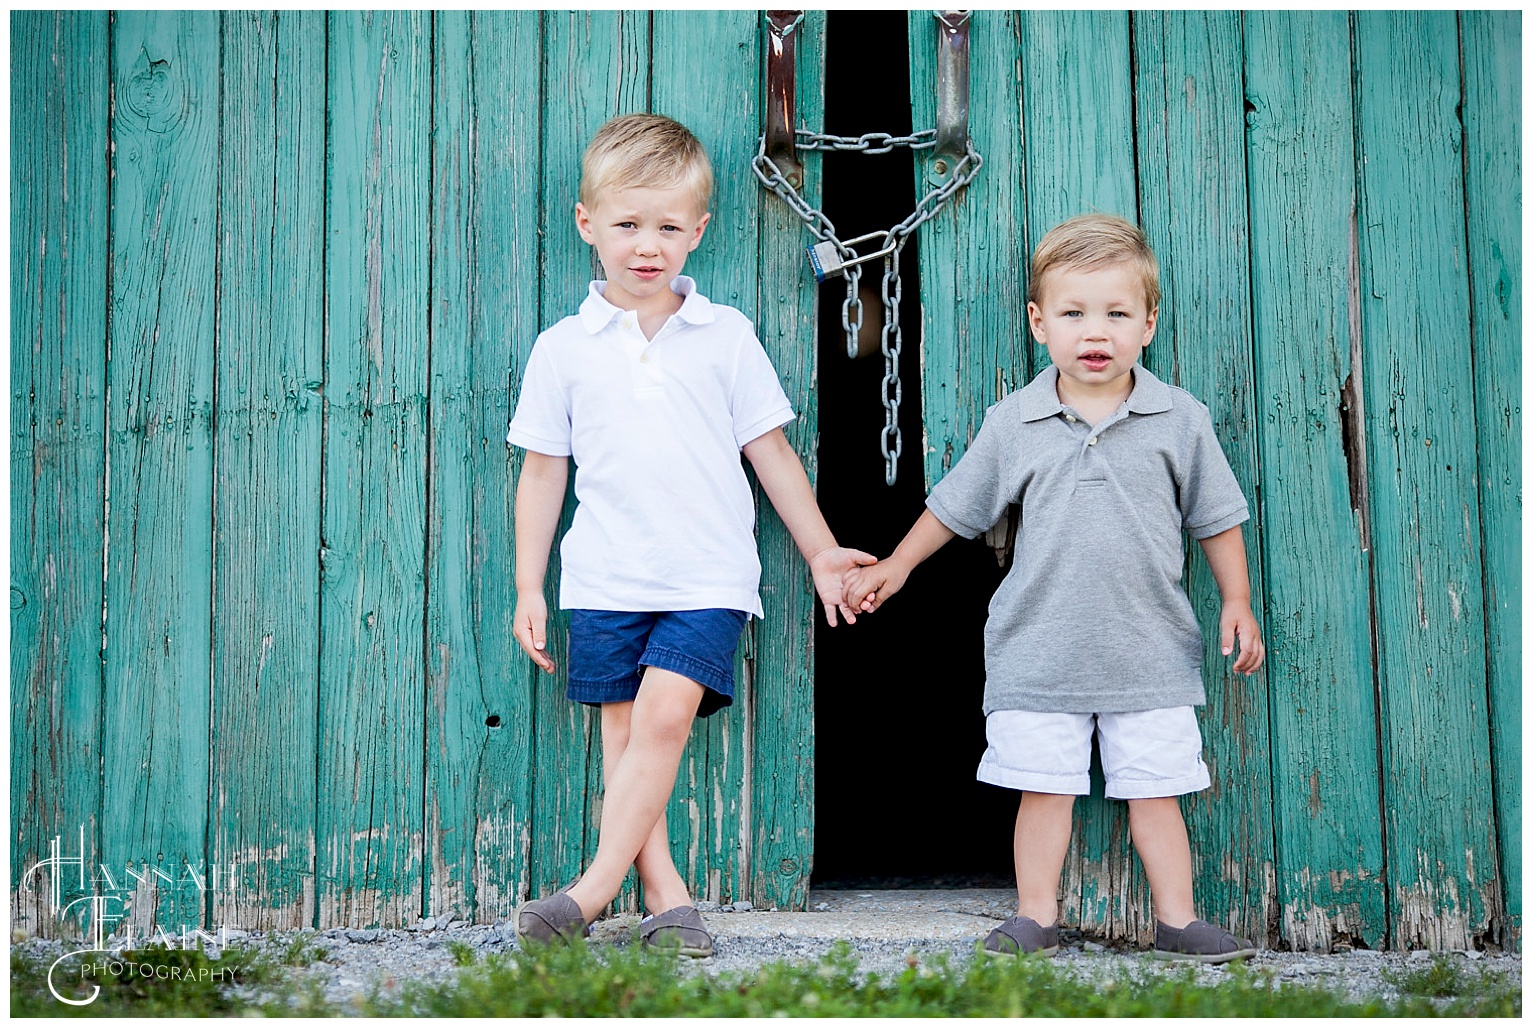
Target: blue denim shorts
<point>609,649</point>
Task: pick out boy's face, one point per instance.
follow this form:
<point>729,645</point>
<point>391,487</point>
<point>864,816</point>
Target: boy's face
<point>1095,323</point>
<point>642,237</point>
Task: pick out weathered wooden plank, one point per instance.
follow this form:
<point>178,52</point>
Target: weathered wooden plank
<point>1422,456</point>
<point>975,343</point>
<point>595,66</point>
<point>267,468</point>
<point>1491,53</point>
<point>372,690</point>
<point>1075,164</point>
<point>155,715</point>
<point>484,251</point>
<point>1078,118</point>
<point>1302,174</point>
<point>58,294</point>
<point>1190,104</point>
<point>776,761</point>
<point>709,810</point>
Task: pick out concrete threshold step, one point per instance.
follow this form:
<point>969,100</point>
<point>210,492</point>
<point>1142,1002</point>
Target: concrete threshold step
<point>961,915</point>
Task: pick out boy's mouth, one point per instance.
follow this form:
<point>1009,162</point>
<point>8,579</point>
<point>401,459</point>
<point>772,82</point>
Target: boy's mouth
<point>646,272</point>
<point>1095,360</point>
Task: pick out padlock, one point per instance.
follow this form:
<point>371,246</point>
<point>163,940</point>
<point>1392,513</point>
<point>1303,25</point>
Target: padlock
<point>827,262</point>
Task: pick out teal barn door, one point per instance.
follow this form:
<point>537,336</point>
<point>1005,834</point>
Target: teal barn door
<point>277,275</point>
<point>1334,200</point>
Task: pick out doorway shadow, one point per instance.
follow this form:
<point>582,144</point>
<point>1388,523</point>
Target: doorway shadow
<point>898,725</point>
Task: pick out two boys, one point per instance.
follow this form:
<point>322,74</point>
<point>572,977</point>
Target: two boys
<point>655,392</point>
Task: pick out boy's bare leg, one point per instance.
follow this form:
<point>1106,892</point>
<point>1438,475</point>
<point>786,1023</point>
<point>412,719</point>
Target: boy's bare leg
<point>640,785</point>
<point>1159,835</point>
<point>664,887</point>
<point>1043,823</point>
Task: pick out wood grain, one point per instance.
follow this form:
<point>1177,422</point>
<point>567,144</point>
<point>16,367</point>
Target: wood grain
<point>1422,454</point>
<point>1314,505</point>
<point>155,716</point>
<point>372,686</point>
<point>775,775</point>
<point>58,463</point>
<point>484,266</point>
<point>1491,51</point>
<point>267,469</point>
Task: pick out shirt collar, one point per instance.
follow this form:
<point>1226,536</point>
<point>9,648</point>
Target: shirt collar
<point>1040,397</point>
<point>596,313</point>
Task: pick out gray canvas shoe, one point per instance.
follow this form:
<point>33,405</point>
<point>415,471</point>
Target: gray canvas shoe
<point>1199,941</point>
<point>554,918</point>
<point>1021,935</point>
<point>680,929</point>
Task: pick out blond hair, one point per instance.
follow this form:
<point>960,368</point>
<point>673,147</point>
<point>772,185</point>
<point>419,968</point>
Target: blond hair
<point>645,151</point>
<point>1091,241</point>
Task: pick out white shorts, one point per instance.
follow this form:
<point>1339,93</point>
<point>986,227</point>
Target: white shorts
<point>1144,753</point>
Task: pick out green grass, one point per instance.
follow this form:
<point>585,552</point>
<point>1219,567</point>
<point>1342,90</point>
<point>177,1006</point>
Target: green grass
<point>1446,979</point>
<point>631,982</point>
<point>178,983</point>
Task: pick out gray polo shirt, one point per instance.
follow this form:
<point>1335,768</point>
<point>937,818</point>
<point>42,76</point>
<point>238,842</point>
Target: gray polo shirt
<point>1092,617</point>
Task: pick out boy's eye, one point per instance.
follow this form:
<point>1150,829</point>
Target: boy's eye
<point>625,224</point>
<point>670,228</point>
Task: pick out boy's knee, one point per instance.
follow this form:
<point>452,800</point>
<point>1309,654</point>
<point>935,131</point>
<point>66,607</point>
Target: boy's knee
<point>666,707</point>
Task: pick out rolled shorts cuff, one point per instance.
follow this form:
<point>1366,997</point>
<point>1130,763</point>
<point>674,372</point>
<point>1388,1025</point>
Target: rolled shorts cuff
<point>718,681</point>
<point>1120,789</point>
<point>1145,754</point>
<point>995,773</point>
<point>605,690</point>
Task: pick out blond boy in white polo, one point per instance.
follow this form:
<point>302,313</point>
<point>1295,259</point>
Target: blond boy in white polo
<point>654,393</point>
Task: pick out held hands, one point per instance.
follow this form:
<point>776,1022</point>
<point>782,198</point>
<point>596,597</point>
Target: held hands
<point>531,628</point>
<point>867,588</point>
<point>830,568</point>
<point>1238,622</point>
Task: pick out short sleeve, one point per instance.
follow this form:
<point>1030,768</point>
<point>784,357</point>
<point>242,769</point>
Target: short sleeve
<point>975,493</point>
<point>1211,500</point>
<point>541,422</point>
<point>757,402</point>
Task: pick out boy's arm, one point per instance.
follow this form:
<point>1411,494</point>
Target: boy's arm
<point>539,500</point>
<point>787,486</point>
<point>867,588</point>
<point>1226,557</point>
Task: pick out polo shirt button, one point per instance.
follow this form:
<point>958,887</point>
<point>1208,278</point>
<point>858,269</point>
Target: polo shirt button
<point>645,360</point>
<point>1091,441</point>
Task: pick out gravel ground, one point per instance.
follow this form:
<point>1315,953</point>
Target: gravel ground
<point>883,928</point>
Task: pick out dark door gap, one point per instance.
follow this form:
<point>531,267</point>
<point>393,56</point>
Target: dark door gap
<point>898,725</point>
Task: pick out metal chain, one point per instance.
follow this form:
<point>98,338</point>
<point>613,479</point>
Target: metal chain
<point>823,229</point>
<point>893,345</point>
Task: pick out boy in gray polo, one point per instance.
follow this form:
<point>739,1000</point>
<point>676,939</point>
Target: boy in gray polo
<point>1091,630</point>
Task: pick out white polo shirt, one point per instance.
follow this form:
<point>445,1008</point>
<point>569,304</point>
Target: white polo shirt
<point>665,518</point>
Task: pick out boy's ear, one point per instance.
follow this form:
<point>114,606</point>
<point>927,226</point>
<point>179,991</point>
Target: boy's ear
<point>697,234</point>
<point>1035,320</point>
<point>582,222</point>
<point>1151,321</point>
